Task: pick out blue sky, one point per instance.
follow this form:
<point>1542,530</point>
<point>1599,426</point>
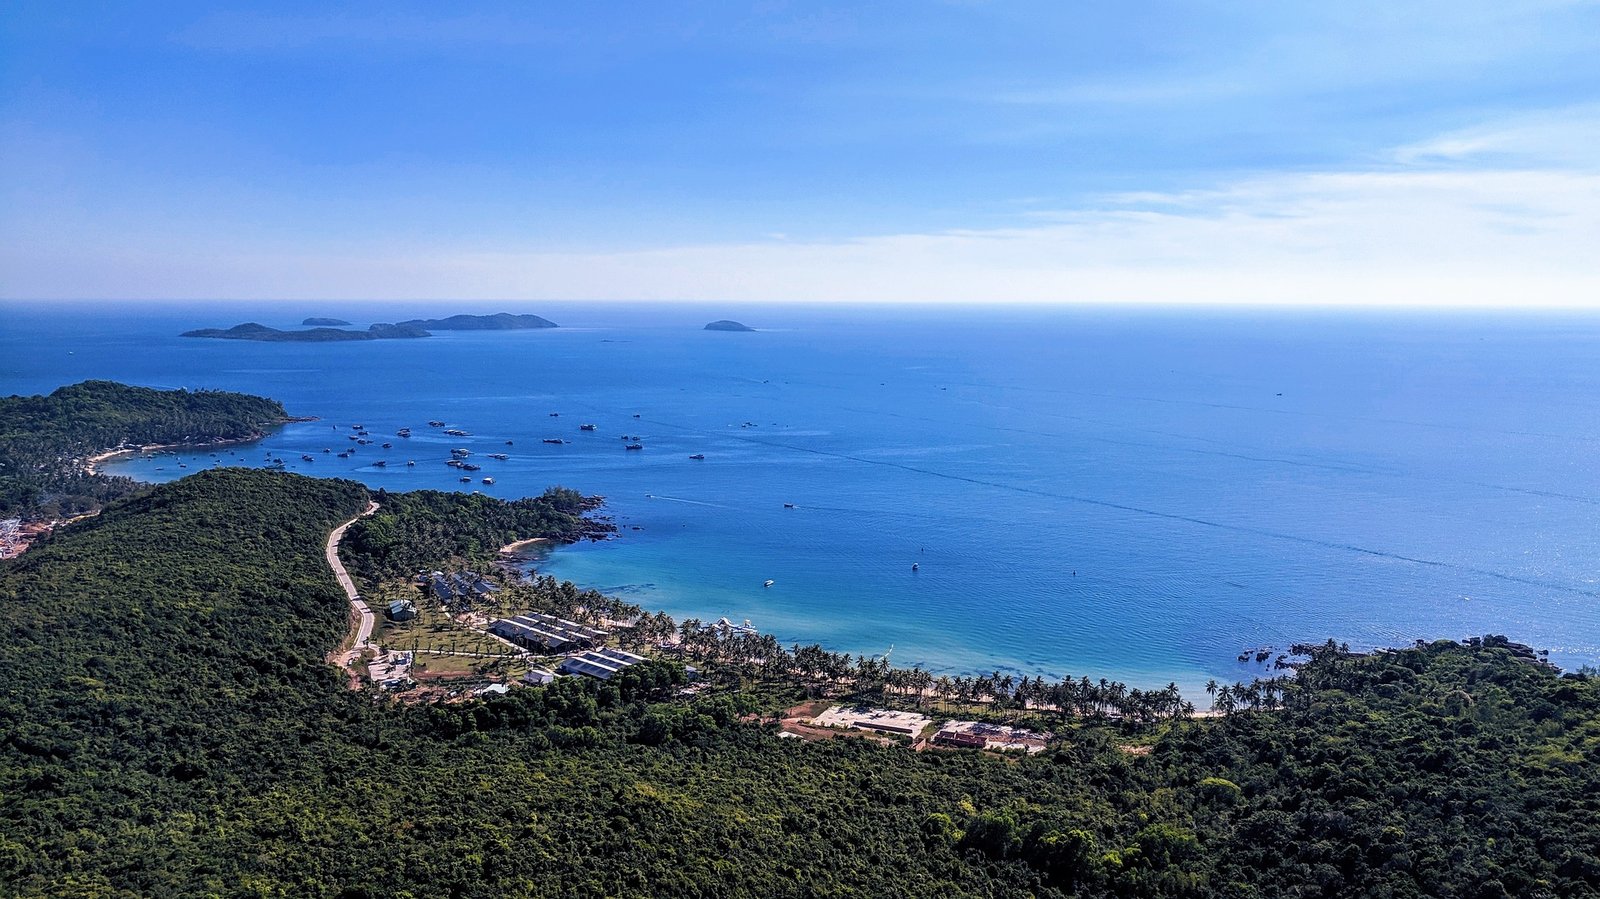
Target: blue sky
<point>1432,153</point>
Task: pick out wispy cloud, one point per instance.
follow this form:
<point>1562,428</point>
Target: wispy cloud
<point>1414,234</point>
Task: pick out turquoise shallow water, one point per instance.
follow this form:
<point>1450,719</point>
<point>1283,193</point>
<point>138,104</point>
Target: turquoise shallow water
<point>1134,495</point>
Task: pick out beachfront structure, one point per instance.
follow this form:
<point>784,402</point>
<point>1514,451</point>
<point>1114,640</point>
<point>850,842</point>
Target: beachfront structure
<point>983,735</point>
<point>887,721</point>
<point>538,631</point>
<point>457,590</point>
<point>600,663</point>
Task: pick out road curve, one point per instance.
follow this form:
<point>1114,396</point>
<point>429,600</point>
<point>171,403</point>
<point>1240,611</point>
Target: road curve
<point>365,621</point>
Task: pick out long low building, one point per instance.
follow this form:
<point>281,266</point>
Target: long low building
<point>599,663</point>
<point>547,632</point>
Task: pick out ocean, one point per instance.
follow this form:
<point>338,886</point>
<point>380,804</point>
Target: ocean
<point>1138,495</point>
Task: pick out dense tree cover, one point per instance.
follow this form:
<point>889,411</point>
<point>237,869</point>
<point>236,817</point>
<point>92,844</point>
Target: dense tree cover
<point>44,439</point>
<point>168,727</point>
<point>420,529</point>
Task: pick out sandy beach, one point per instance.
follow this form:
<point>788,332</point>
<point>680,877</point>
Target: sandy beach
<point>520,544</point>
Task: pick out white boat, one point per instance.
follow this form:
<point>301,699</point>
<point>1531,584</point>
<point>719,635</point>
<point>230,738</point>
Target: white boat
<point>769,583</point>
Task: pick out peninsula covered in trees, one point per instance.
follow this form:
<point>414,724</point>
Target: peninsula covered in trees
<point>172,727</point>
<point>417,327</point>
<point>46,441</point>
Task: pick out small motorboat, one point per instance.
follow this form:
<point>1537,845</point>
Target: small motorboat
<point>555,440</point>
<point>380,464</point>
<point>700,456</point>
<point>388,446</point>
<point>435,424</point>
<point>634,446</point>
<point>466,480</point>
<point>488,481</point>
<point>587,427</point>
<point>769,583</point>
<point>411,464</point>
<point>914,566</point>
<point>788,505</point>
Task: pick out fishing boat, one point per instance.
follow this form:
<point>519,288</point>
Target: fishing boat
<point>466,479</point>
<point>456,432</point>
<point>634,446</point>
<point>411,463</point>
<point>380,464</point>
<point>435,424</point>
<point>403,432</point>
<point>326,450</point>
<point>788,505</point>
<point>488,480</point>
<point>388,446</point>
<point>698,456</point>
<point>461,452</point>
<point>454,463</point>
<point>587,427</point>
<point>555,440</point>
<point>501,456</point>
<point>307,457</point>
<point>555,415</point>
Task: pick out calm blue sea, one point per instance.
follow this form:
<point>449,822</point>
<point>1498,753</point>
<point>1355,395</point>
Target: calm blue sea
<point>1126,494</point>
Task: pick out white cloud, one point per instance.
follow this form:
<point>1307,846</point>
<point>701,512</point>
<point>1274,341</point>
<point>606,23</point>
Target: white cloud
<point>1440,230</point>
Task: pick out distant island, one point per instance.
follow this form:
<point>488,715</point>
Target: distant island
<point>325,322</point>
<point>255,331</point>
<point>728,325</point>
<point>500,321</point>
<point>418,327</point>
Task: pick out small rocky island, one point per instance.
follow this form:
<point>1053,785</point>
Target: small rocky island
<point>728,325</point>
<point>315,322</point>
<point>417,327</point>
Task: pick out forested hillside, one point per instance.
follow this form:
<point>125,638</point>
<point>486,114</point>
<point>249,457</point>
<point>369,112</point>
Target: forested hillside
<point>44,439</point>
<point>423,527</point>
<point>168,727</point>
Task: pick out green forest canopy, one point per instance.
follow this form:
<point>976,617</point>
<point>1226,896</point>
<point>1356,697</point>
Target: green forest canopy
<point>44,439</point>
<point>168,727</point>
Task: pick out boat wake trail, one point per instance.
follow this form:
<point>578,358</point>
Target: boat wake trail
<point>679,499</point>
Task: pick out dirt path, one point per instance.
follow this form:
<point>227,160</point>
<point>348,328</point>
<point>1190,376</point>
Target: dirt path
<point>361,616</point>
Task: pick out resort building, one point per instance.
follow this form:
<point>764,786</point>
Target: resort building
<point>547,632</point>
<point>886,721</point>
<point>982,735</point>
<point>538,677</point>
<point>402,610</point>
<point>600,663</point>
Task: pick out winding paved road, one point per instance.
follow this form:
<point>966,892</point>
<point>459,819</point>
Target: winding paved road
<point>363,635</point>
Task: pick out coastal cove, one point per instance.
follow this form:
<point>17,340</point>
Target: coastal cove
<point>1118,494</point>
